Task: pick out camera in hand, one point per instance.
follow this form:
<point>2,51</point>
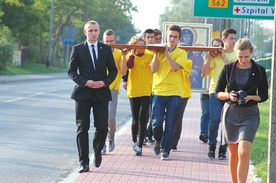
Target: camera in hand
<point>240,95</point>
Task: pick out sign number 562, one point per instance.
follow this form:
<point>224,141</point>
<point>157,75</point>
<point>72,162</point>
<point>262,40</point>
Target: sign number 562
<point>218,3</point>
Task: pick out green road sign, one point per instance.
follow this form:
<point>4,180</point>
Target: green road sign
<point>246,9</point>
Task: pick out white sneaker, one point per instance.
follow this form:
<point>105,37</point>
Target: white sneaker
<point>135,146</point>
<point>111,146</point>
<point>103,152</point>
<point>137,149</point>
<point>164,155</point>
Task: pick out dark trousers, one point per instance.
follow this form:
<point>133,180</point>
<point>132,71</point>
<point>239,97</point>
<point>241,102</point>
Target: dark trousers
<point>149,126</point>
<point>100,113</point>
<point>205,114</point>
<point>178,127</point>
<point>139,109</point>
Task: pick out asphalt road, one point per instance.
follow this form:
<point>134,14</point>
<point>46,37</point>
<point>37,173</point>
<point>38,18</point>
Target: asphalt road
<point>37,129</point>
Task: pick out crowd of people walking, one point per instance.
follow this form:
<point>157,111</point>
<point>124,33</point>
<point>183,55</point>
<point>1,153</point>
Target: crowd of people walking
<point>158,87</point>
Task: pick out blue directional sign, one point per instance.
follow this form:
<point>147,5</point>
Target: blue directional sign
<point>67,41</point>
<point>246,9</point>
<point>69,35</point>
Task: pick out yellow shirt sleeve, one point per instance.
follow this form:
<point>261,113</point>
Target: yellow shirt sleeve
<point>115,85</point>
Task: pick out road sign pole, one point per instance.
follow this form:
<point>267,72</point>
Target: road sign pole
<point>271,177</point>
<point>66,56</point>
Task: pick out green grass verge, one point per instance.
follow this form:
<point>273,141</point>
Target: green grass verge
<point>259,152</point>
<point>31,69</point>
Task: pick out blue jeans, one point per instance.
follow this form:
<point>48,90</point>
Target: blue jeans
<point>178,126</point>
<point>205,114</point>
<point>165,108</point>
<point>215,118</point>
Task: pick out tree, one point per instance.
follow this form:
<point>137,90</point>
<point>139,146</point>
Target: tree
<point>28,21</point>
<point>262,37</point>
<point>6,47</point>
<point>75,13</point>
<point>70,14</point>
<point>179,11</point>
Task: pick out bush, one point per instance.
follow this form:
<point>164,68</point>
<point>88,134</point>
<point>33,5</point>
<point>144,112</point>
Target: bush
<point>7,48</point>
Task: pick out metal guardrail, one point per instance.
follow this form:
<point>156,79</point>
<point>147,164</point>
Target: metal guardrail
<point>266,63</point>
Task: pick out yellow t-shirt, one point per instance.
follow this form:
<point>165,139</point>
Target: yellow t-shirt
<point>115,85</point>
<point>140,76</point>
<point>186,79</point>
<point>217,65</point>
<point>149,52</point>
<point>166,82</point>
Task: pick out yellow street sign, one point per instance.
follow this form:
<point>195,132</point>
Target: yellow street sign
<point>218,3</point>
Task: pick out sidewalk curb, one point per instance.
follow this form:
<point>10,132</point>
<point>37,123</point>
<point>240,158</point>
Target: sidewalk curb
<point>75,174</point>
<point>252,174</point>
<point>34,77</point>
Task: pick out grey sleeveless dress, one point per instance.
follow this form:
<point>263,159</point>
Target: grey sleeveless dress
<point>240,123</point>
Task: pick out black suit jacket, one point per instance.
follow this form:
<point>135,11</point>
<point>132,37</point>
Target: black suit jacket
<point>81,69</point>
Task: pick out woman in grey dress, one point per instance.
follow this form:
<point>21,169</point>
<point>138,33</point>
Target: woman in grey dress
<point>242,84</point>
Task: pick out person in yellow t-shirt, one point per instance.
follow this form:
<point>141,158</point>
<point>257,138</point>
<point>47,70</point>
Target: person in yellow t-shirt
<point>204,96</point>
<point>139,84</point>
<point>184,100</point>
<point>110,38</point>
<point>157,36</point>
<point>150,38</point>
<point>214,63</point>
<point>167,91</point>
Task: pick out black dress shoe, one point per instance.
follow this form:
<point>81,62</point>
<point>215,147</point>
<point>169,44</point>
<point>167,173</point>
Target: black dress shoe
<point>203,138</point>
<point>84,168</point>
<point>97,160</point>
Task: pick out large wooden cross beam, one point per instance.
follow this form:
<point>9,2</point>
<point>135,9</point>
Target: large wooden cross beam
<point>161,47</point>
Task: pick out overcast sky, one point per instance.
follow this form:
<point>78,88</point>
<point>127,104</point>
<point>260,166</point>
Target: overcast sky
<point>148,13</point>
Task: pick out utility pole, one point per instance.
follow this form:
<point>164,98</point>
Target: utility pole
<point>50,35</point>
<point>271,177</point>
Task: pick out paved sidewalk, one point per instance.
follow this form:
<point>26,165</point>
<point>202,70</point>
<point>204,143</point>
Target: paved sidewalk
<point>189,164</point>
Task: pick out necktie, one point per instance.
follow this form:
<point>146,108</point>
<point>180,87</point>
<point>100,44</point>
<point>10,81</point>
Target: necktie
<point>94,55</point>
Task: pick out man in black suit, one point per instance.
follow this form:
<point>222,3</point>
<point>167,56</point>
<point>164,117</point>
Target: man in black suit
<point>93,69</point>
